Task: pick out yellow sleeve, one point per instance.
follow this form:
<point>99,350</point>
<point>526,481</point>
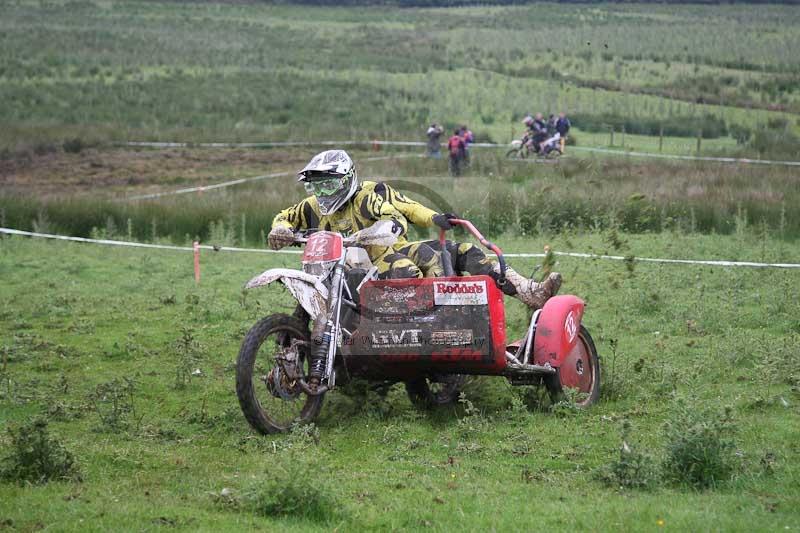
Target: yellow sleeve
<point>415,212</point>
<point>303,215</point>
<point>373,207</point>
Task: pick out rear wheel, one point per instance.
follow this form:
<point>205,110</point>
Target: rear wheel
<point>274,354</point>
<point>553,153</point>
<point>516,153</point>
<point>579,372</point>
<point>425,393</point>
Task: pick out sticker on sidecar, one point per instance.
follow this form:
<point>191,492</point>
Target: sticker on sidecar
<point>457,337</point>
<point>393,338</point>
<point>460,293</point>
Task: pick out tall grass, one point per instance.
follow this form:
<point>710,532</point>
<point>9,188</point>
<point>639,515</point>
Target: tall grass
<point>498,195</point>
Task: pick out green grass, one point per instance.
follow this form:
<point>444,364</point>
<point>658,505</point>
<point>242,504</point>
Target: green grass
<point>76,316</point>
<point>207,72</point>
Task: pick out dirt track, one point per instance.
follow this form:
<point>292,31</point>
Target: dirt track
<point>110,171</point>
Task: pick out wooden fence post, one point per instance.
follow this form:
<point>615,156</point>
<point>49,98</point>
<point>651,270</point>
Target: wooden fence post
<point>196,248</point>
<point>623,136</point>
<point>661,138</point>
<point>699,136</point>
<point>611,143</point>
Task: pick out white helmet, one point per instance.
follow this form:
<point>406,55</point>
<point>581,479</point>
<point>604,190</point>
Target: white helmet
<point>331,177</point>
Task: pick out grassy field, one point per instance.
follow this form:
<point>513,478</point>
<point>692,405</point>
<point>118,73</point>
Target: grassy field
<point>95,340</point>
<point>132,364</point>
<point>111,70</point>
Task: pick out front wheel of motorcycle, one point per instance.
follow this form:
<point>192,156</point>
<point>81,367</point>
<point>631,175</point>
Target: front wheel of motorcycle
<point>270,397</point>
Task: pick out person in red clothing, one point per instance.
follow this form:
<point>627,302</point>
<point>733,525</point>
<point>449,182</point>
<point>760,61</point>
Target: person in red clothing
<point>457,150</point>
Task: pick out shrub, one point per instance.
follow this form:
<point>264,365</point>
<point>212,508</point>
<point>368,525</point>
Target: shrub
<point>73,146</point>
<point>36,457</point>
<point>292,492</point>
<point>44,148</point>
<point>776,142</point>
<point>633,469</point>
<point>699,446</point>
<point>296,485</point>
<point>741,133</point>
<point>113,401</point>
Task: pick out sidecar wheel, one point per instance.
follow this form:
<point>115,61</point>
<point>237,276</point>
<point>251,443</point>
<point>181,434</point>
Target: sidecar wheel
<point>580,371</point>
<point>266,410</point>
<point>427,394</point>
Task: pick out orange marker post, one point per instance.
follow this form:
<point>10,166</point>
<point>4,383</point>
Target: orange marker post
<point>196,246</point>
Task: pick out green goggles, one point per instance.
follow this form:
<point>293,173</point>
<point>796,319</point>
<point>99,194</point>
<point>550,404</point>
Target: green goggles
<point>325,187</point>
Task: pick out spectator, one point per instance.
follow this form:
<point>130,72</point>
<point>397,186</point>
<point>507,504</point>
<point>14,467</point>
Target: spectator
<point>434,133</point>
<point>562,127</point>
<point>457,152</point>
<point>468,138</point>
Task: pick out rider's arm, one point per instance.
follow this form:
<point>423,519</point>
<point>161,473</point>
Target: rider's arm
<point>302,215</point>
<point>415,212</point>
<point>374,207</point>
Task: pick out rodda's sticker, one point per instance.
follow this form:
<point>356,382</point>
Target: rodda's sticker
<point>460,293</point>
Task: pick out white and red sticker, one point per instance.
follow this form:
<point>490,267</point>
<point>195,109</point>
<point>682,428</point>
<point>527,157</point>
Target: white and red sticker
<point>460,293</point>
<point>571,326</point>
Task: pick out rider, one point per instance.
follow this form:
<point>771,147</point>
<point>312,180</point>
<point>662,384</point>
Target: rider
<point>553,134</point>
<point>537,130</point>
<point>341,203</point>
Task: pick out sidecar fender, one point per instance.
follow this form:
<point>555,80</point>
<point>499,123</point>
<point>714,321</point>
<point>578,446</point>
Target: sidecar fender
<point>557,330</point>
<point>305,288</point>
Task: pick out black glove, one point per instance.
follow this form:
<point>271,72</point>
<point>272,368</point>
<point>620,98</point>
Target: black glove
<point>443,220</point>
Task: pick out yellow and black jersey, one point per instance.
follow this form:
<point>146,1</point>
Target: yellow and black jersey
<point>372,201</point>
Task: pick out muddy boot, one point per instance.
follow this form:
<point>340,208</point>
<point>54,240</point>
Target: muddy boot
<point>529,292</point>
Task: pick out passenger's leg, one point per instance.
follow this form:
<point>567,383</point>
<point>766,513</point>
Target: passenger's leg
<point>393,265</point>
<point>469,258</point>
<point>425,257</point>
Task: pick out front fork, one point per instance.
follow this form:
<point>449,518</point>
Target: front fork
<point>321,375</point>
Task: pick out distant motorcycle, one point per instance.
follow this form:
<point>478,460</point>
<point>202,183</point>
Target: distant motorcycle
<point>428,333</point>
<point>527,146</point>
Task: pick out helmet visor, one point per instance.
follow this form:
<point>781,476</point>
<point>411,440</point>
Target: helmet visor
<point>326,187</point>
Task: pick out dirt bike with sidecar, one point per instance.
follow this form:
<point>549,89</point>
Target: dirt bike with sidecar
<point>428,333</point>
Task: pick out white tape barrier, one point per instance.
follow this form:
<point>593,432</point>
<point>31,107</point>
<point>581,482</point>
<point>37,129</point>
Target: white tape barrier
<point>204,188</point>
<point>628,153</point>
<point>11,231</point>
<point>673,261</point>
<point>624,153</point>
<point>750,264</point>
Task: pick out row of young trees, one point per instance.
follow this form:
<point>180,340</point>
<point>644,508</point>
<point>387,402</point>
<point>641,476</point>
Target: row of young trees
<point>458,3</point>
